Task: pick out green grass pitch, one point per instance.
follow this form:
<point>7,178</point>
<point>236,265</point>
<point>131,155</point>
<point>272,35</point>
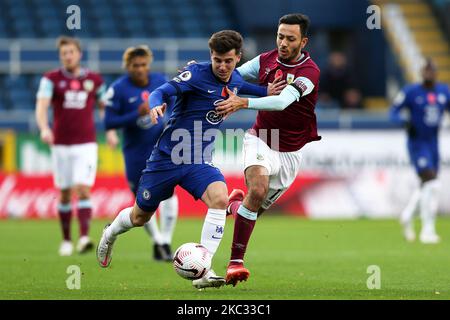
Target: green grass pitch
<point>288,257</point>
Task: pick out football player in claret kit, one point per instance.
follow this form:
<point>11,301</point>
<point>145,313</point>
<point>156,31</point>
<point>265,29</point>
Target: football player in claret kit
<point>127,107</point>
<point>420,108</point>
<point>183,153</point>
<point>284,124</point>
<point>73,92</point>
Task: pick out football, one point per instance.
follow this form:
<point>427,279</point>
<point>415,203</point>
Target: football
<point>191,261</point>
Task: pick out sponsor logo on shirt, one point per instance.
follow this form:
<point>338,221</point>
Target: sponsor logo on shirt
<point>213,117</point>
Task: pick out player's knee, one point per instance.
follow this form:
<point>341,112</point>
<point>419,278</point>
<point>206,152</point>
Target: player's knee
<point>139,220</point>
<point>258,193</point>
<point>220,202</point>
<point>83,192</point>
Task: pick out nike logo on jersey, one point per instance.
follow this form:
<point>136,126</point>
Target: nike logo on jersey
<point>211,91</point>
<point>132,99</point>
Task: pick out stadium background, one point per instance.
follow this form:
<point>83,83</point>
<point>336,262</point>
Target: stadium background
<point>359,169</point>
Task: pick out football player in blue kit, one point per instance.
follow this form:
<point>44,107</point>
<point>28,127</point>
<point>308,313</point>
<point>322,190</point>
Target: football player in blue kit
<point>420,108</point>
<point>127,108</point>
<point>183,153</point>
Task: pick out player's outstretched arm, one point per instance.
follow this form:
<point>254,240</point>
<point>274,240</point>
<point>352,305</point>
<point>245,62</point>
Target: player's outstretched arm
<point>158,100</point>
<point>273,103</point>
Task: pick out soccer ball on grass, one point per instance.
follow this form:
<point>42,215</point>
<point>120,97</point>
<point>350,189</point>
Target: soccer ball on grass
<point>191,261</point>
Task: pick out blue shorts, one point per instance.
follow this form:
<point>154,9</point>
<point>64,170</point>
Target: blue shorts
<point>157,183</point>
<point>424,155</point>
<point>133,171</point>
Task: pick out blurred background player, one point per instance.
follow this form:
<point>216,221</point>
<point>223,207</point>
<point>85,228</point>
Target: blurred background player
<point>73,92</point>
<point>127,108</point>
<point>424,104</point>
<point>284,124</point>
<point>198,88</point>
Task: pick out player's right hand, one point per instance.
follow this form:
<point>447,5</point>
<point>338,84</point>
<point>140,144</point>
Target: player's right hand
<point>275,87</point>
<point>157,111</point>
<point>47,136</point>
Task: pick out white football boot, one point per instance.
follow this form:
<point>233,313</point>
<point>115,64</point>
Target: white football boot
<point>210,279</point>
<point>66,248</point>
<point>429,238</point>
<point>104,250</point>
<point>84,244</point>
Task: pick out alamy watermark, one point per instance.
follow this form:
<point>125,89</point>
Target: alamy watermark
<point>197,146</point>
<point>374,280</point>
<point>73,21</point>
<point>374,20</point>
<point>73,282</point>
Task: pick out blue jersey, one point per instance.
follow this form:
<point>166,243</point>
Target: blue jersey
<point>424,111</point>
<point>189,135</point>
<point>191,130</point>
<point>425,108</point>
<point>122,100</point>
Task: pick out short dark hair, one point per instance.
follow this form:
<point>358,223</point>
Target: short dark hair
<point>296,18</point>
<point>226,40</point>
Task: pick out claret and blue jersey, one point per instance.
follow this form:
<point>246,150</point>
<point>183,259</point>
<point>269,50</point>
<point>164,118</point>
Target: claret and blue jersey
<point>183,153</point>
<point>122,100</point>
<point>422,110</point>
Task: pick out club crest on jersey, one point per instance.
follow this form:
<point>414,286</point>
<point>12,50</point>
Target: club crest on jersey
<point>88,85</point>
<point>290,78</point>
<point>185,76</point>
<point>144,95</point>
<point>441,98</point>
<point>213,117</point>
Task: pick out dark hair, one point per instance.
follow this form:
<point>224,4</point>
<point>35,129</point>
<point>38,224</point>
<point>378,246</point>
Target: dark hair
<point>226,40</point>
<point>296,18</point>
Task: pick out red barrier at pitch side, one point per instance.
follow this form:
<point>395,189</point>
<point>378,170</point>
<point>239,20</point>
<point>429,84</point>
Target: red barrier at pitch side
<point>34,196</point>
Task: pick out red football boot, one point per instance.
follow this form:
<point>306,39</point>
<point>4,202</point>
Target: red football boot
<point>236,272</point>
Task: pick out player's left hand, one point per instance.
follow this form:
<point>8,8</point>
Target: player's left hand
<point>232,104</point>
<point>157,111</point>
